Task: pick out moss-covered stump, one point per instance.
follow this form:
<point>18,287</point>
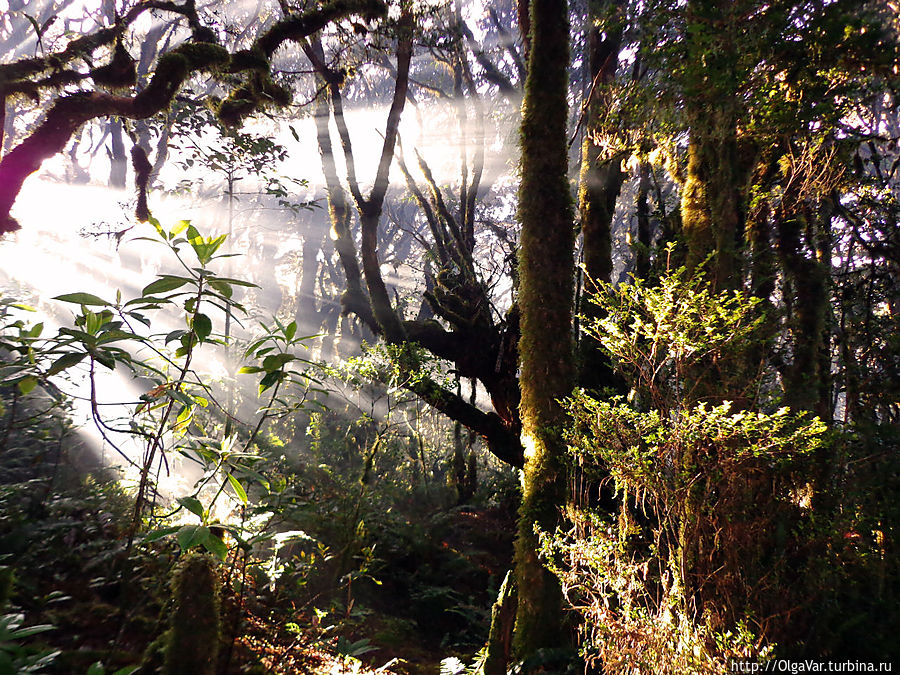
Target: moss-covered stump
<point>194,637</point>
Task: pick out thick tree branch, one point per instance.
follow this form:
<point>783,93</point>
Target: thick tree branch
<point>70,112</point>
<point>299,27</point>
<point>501,440</point>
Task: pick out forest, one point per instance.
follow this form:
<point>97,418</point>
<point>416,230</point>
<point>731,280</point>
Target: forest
<point>443,336</point>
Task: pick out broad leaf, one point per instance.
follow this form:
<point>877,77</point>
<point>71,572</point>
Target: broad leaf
<point>162,532</point>
<point>222,286</point>
<point>164,284</point>
<point>193,505</point>
<point>27,385</point>
<point>192,535</point>
<point>202,326</point>
<point>65,361</point>
<point>215,546</point>
<point>238,488</point>
<point>81,299</point>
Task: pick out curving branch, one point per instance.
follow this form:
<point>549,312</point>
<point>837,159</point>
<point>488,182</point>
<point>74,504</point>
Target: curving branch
<point>491,72</point>
<point>370,208</point>
<point>501,440</point>
<point>70,112</point>
<point>298,27</point>
<point>476,347</point>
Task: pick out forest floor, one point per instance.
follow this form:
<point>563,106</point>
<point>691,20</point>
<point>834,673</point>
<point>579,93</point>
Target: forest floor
<point>66,564</point>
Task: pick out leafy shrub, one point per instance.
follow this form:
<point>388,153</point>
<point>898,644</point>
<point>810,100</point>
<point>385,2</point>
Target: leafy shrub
<point>690,569</point>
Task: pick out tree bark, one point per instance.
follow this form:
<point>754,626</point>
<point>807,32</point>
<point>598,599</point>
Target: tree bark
<point>546,286</point>
<point>600,185</point>
<point>711,218</point>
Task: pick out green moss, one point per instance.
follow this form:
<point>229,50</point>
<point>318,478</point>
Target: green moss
<point>172,68</point>
<point>233,111</point>
<point>257,93</point>
<point>249,59</point>
<point>503,612</point>
<point>280,96</point>
<point>194,638</point>
<point>546,289</point>
<point>204,55</point>
<point>119,73</point>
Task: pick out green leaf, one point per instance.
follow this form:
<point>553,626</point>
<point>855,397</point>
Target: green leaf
<point>104,358</point>
<point>27,385</point>
<point>222,286</point>
<point>193,234</point>
<point>127,670</point>
<point>193,505</point>
<point>269,380</point>
<point>155,223</point>
<point>164,284</point>
<point>184,418</point>
<point>65,361</point>
<point>192,535</point>
<point>29,631</point>
<point>175,335</point>
<point>156,535</point>
<point>291,330</point>
<point>237,282</point>
<point>81,299</point>
<point>215,545</point>
<point>202,326</point>
<point>250,370</point>
<point>115,335</point>
<point>96,668</point>
<point>276,361</point>
<point>238,488</point>
<point>214,243</point>
<point>179,227</point>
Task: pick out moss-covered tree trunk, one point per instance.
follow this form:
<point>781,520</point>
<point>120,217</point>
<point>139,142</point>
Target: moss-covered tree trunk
<point>711,218</point>
<point>193,643</point>
<point>710,212</point>
<point>807,379</point>
<point>601,179</point>
<point>546,282</point>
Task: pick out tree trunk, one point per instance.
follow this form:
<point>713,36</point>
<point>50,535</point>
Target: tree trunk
<point>711,198</point>
<point>118,161</point>
<point>546,283</point>
<point>710,213</point>
<point>600,184</point>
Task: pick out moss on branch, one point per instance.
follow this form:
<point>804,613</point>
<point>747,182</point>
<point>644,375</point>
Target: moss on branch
<point>69,112</point>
